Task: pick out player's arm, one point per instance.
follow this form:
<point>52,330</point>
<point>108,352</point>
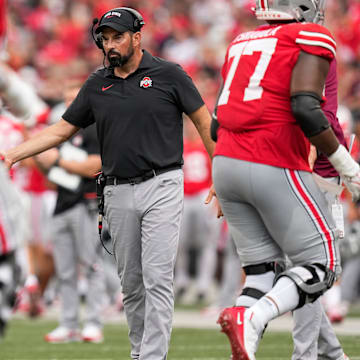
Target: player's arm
<point>202,119</point>
<point>85,168</point>
<point>43,140</point>
<point>307,84</point>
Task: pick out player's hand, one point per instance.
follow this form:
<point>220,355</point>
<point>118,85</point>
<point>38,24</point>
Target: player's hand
<point>6,159</point>
<point>353,185</point>
<point>212,195</point>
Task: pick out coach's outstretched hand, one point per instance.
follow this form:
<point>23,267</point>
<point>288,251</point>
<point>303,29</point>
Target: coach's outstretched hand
<point>5,159</point>
<point>211,195</point>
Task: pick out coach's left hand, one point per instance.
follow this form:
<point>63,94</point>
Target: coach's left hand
<point>211,195</point>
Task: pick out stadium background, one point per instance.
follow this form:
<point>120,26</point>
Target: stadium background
<point>48,41</point>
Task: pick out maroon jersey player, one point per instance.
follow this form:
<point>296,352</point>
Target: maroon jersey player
<point>322,165</point>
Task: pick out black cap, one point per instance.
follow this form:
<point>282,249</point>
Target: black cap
<point>118,19</point>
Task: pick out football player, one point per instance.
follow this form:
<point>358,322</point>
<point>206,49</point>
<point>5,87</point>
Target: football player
<point>269,113</point>
<point>314,337</point>
<point>13,229</point>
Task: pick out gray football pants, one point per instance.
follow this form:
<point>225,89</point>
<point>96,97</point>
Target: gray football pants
<point>144,224</point>
<point>198,229</point>
<point>272,211</point>
<point>231,279</point>
<point>76,243</point>
<point>313,335</point>
<point>350,280</point>
<point>10,275</point>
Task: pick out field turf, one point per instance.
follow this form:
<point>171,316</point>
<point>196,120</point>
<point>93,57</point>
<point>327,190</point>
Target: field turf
<point>24,341</point>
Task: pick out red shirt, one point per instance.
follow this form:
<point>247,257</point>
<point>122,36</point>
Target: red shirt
<point>254,110</point>
<point>197,168</point>
<point>33,179</point>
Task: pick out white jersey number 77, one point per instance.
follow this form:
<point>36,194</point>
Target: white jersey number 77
<point>254,90</point>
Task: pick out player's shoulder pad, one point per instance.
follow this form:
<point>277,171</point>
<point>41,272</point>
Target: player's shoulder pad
<point>313,38</point>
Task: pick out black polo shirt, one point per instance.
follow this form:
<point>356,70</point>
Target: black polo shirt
<point>138,119</point>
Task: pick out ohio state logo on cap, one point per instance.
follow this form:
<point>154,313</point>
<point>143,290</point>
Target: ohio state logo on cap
<point>146,82</point>
<point>111,14</point>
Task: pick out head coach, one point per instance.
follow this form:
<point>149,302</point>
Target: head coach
<point>137,103</point>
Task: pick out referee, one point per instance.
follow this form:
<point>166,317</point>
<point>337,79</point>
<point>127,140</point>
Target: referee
<point>137,103</point>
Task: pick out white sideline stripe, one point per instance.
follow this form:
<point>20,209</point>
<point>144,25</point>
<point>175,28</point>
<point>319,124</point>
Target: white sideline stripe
<point>316,43</point>
<point>316,34</point>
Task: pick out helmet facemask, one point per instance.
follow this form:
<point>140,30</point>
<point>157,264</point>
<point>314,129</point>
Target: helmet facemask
<point>320,16</point>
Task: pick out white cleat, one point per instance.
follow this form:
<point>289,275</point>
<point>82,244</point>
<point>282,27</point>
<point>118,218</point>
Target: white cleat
<point>92,334</point>
<point>62,335</point>
<point>251,336</point>
<point>236,323</point>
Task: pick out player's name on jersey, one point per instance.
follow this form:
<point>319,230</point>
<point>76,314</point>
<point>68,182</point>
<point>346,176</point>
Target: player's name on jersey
<point>257,34</point>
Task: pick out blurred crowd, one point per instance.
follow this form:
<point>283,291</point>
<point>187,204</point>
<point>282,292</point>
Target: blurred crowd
<point>49,42</point>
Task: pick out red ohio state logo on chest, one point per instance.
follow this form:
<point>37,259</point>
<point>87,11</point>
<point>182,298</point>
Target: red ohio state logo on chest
<point>146,82</point>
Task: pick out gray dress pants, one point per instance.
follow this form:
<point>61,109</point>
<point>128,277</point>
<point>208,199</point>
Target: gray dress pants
<point>144,224</point>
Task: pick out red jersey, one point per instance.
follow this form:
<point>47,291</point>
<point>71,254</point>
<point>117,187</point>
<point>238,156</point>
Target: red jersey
<point>254,109</point>
<point>197,168</point>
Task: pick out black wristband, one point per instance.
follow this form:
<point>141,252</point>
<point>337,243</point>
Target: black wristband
<point>57,161</point>
<point>214,127</point>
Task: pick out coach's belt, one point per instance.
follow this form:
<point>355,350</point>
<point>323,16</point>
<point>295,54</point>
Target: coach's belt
<point>113,180</point>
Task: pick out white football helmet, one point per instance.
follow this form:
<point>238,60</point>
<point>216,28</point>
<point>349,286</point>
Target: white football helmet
<point>299,10</point>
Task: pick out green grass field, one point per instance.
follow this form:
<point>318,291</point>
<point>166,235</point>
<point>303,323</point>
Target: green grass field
<point>24,341</point>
